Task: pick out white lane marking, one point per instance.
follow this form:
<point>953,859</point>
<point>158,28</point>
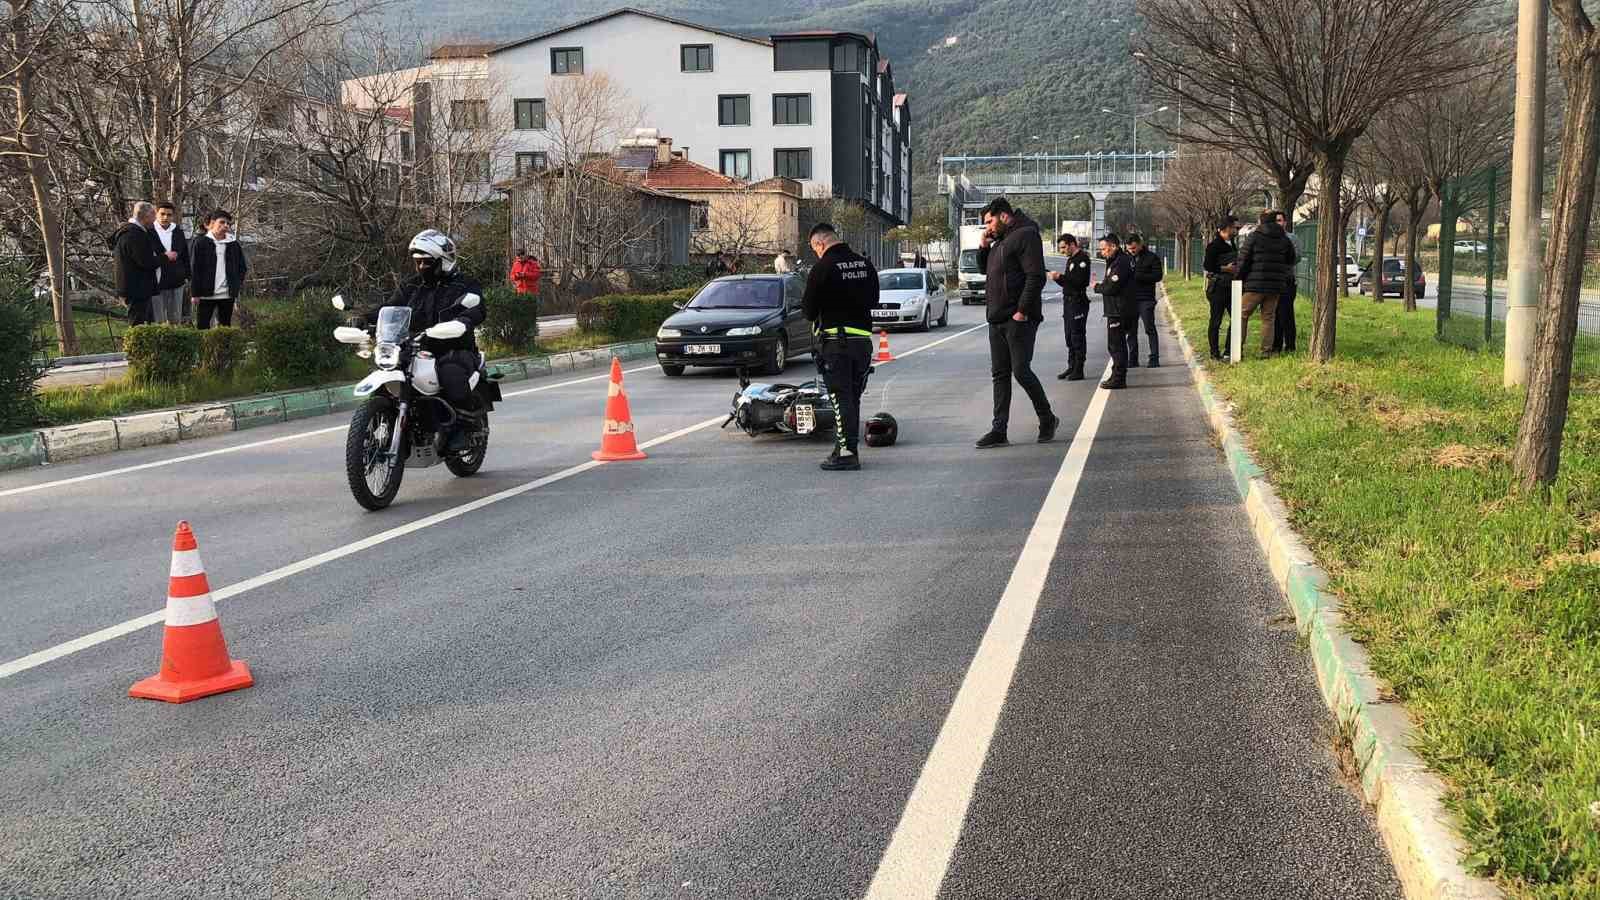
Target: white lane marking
<point>249,584</point>
<point>110,473</point>
<point>918,856</point>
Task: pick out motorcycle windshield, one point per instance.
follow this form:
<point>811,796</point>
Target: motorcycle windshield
<point>394,324</point>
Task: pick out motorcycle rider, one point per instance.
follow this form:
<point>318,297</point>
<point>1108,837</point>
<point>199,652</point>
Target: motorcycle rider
<point>841,291</point>
<point>440,292</point>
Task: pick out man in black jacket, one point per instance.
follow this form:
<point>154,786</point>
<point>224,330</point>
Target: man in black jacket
<point>1122,314</point>
<point>1283,333</point>
<point>1219,269</point>
<point>841,290</point>
<point>1074,283</point>
<point>1266,266</point>
<point>167,307</point>
<point>1012,254</point>
<point>136,262</point>
<point>1146,275</point>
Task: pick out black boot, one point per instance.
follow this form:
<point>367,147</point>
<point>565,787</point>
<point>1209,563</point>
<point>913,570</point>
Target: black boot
<point>848,461</point>
<point>1115,383</point>
<point>1155,362</point>
<point>1075,373</point>
<point>1133,361</point>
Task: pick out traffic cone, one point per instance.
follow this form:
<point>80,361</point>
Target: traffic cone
<point>194,657</point>
<point>883,347</point>
<point>616,438</point>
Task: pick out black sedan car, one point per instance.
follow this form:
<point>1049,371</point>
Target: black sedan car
<point>1393,278</point>
<point>738,320</point>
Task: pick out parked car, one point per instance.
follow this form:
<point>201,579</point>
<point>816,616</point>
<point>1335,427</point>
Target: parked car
<point>1352,271</point>
<point>911,297</point>
<point>1393,278</point>
<point>1472,247</point>
<point>737,320</point>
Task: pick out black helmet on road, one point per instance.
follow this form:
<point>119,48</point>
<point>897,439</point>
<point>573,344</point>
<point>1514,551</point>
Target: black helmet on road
<point>882,430</point>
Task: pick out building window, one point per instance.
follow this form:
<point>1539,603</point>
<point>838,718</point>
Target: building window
<point>733,109</point>
<point>789,56</point>
<point>536,161</point>
<point>735,163</point>
<point>791,109</point>
<point>695,57</point>
<point>405,146</point>
<point>472,168</point>
<point>566,61</point>
<point>794,164</point>
<point>700,216</point>
<point>849,56</point>
<point>469,115</point>
<point>529,114</point>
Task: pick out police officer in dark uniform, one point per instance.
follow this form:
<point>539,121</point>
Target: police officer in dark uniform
<point>1075,298</point>
<point>1122,309</point>
<point>841,291</point>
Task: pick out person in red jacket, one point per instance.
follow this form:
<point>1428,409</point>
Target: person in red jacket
<point>525,272</point>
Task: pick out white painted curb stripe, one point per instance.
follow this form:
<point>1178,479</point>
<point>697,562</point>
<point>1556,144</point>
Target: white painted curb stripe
<point>186,563</point>
<point>914,865</point>
<point>183,611</point>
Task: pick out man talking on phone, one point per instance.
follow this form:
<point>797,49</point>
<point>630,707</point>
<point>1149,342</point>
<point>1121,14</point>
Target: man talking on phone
<point>1012,253</point>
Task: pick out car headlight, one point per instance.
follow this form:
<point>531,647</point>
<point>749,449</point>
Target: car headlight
<point>668,332</point>
<point>744,331</point>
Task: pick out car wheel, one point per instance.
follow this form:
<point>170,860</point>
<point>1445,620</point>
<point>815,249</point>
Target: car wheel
<point>944,317</point>
<point>671,371</point>
<point>926,313</point>
<point>779,358</point>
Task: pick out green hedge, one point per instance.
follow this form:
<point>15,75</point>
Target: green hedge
<point>298,342</point>
<point>20,317</point>
<point>161,354</point>
<point>628,317</point>
<point>222,349</point>
<point>511,320</point>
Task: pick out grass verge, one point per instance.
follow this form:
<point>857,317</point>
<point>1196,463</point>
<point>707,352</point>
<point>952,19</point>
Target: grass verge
<point>1480,609</point>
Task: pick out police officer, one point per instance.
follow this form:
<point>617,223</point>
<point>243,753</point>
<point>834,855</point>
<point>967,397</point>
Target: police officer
<point>1122,310</point>
<point>1146,275</point>
<point>439,293</point>
<point>841,291</point>
<point>1075,298</point>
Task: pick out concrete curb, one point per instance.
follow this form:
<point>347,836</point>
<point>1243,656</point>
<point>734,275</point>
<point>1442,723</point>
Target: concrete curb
<point>1408,800</point>
<point>42,447</point>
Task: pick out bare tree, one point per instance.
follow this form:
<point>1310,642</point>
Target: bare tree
<point>1377,186</point>
<point>1201,186</point>
<point>1368,54</point>
<point>467,146</point>
<point>1544,415</point>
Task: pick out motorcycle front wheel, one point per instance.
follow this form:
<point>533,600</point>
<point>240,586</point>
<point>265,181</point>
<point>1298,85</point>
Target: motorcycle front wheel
<point>374,478</point>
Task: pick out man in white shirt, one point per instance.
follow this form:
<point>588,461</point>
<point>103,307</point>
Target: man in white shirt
<point>167,307</point>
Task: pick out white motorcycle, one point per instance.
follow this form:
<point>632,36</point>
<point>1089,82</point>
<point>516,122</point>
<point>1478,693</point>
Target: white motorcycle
<point>404,422</point>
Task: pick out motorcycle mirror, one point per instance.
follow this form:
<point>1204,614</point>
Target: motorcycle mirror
<point>338,301</point>
<point>677,304</point>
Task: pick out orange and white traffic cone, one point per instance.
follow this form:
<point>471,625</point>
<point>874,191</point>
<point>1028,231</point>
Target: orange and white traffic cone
<point>616,438</point>
<point>194,657</point>
<point>883,347</point>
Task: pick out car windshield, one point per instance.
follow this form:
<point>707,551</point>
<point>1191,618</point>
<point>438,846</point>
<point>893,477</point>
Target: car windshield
<point>969,260</point>
<point>900,281</point>
<point>1392,266</point>
<point>761,293</point>
<point>394,323</point>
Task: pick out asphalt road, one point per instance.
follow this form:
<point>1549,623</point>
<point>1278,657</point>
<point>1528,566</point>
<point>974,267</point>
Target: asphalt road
<point>719,672</point>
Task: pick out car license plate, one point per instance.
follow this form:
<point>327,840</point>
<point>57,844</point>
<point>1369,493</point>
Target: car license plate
<point>885,313</point>
<point>703,349</point>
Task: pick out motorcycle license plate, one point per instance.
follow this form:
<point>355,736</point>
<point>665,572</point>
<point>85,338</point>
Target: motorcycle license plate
<point>805,418</point>
<point>703,349</point>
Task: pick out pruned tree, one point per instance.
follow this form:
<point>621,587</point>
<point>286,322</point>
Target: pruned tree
<point>1378,185</point>
<point>1203,184</point>
<point>465,142</point>
<point>1325,68</point>
<point>741,220</point>
<point>1537,459</point>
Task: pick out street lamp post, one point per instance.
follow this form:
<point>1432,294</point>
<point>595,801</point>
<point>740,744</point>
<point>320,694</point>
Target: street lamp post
<point>1135,117</point>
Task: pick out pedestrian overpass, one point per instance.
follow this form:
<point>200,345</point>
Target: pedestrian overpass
<point>971,181</point>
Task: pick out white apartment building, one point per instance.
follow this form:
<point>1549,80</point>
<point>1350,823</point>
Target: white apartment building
<point>817,107</point>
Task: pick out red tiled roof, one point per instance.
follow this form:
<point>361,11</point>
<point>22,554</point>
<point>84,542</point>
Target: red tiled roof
<point>883,66</point>
<point>900,99</point>
<point>683,175</point>
<point>399,112</point>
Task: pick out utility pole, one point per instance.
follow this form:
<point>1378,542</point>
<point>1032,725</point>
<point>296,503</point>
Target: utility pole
<point>1527,192</point>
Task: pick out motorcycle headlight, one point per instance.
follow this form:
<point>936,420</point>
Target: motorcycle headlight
<point>386,356</point>
<point>744,331</point>
<point>668,332</point>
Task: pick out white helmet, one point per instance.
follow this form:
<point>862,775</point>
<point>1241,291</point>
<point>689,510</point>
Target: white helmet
<point>436,244</point>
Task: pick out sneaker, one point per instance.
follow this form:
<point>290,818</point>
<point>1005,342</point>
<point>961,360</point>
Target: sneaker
<point>457,442</point>
<point>1114,383</point>
<point>1047,429</point>
<point>992,439</point>
<point>842,462</point>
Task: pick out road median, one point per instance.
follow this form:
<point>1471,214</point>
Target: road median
<point>45,446</point>
<point>1451,623</point>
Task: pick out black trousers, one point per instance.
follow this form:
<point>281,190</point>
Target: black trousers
<point>1147,315</point>
<point>455,369</point>
<point>205,309</point>
<point>844,363</point>
<point>1117,330</point>
<point>1283,337</point>
<point>1220,296</point>
<point>140,312</point>
<point>1011,356</point>
<point>1077,321</point>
